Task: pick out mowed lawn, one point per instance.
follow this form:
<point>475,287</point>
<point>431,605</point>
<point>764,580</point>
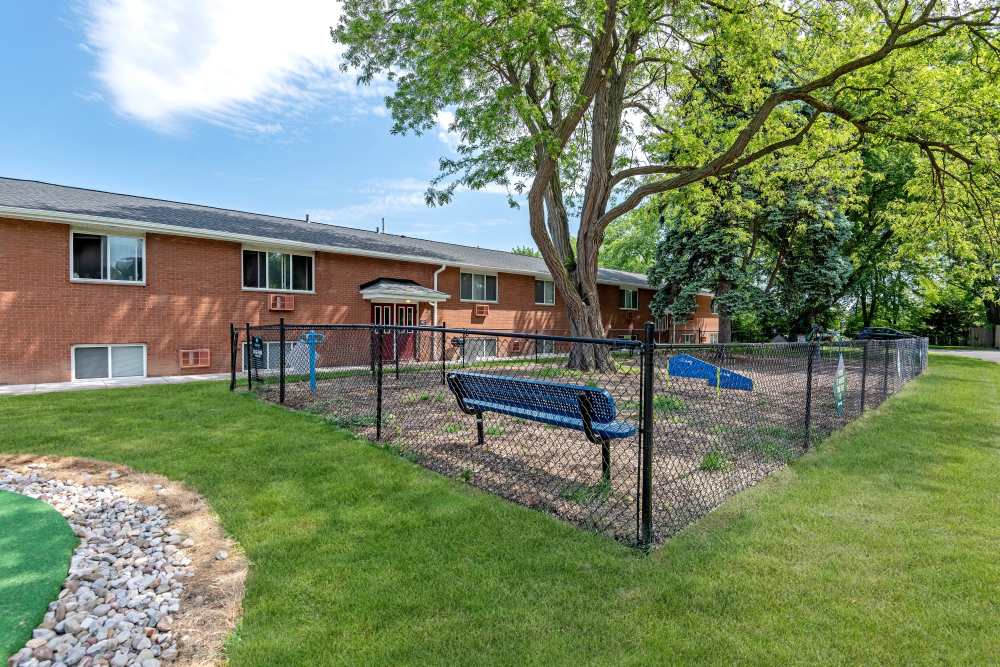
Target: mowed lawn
<point>880,547</point>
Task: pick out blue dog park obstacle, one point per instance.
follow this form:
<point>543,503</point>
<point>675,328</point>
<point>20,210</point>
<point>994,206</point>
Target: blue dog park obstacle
<point>312,339</point>
<point>687,366</point>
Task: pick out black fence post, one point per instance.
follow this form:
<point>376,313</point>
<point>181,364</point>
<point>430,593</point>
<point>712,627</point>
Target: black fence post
<point>249,361</point>
<point>647,392</point>
<point>444,350</point>
<point>281,360</point>
<point>813,349</point>
<point>395,349</point>
<point>535,344</point>
<point>379,336</point>
<point>232,357</point>
<point>864,373</point>
<point>885,369</point>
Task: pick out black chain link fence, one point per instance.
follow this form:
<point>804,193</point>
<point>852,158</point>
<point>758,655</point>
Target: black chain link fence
<point>656,438</point>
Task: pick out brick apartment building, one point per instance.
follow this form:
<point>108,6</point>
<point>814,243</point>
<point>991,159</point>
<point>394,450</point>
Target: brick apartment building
<point>101,285</point>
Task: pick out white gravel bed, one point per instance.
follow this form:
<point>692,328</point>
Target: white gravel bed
<point>125,580</point>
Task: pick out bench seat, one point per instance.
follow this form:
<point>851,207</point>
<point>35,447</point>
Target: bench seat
<point>611,431</point>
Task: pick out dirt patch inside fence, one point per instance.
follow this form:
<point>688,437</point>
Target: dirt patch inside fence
<point>708,443</point>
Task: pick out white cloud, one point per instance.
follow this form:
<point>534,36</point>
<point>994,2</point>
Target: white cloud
<point>445,119</point>
<point>242,63</point>
<point>368,213</point>
<point>388,198</point>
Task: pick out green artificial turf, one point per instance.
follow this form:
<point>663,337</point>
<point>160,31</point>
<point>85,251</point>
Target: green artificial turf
<point>879,548</point>
<point>35,548</point>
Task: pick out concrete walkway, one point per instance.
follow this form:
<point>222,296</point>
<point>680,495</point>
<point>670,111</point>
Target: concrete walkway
<point>80,385</point>
<point>985,355</point>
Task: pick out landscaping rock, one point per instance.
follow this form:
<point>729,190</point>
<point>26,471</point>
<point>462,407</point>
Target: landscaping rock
<point>122,582</point>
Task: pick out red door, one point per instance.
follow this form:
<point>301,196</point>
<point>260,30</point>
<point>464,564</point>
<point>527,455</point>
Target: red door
<point>406,316</point>
<point>383,314</point>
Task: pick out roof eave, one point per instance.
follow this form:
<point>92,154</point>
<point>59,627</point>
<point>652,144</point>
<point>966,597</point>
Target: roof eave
<point>62,217</point>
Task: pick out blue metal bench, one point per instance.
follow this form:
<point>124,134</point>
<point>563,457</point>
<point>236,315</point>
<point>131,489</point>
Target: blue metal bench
<point>575,407</point>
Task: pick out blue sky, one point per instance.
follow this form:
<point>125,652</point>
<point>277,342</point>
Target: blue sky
<point>232,103</point>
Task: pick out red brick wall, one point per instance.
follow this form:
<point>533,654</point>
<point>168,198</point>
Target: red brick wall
<point>192,293</point>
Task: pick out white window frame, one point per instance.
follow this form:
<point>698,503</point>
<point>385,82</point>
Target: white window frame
<point>478,273</point>
<point>550,282</point>
<point>265,250</point>
<point>109,376</point>
<point>635,291</point>
<point>102,281</point>
<point>289,355</point>
<point>484,341</point>
<point>686,335</point>
<point>546,346</point>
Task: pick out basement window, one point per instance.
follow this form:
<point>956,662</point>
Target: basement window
<point>101,362</point>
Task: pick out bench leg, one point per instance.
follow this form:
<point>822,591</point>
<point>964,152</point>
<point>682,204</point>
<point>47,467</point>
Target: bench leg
<point>479,428</point>
<point>605,461</point>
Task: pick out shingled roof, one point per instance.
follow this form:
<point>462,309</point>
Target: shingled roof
<point>18,196</point>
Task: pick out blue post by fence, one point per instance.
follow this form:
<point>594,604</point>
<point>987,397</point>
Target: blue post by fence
<point>312,362</point>
<point>312,339</point>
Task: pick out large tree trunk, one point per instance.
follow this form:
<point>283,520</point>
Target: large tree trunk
<point>585,322</point>
<point>725,319</point>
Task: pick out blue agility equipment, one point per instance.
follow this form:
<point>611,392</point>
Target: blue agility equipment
<point>577,407</point>
<point>312,339</point>
<point>686,366</point>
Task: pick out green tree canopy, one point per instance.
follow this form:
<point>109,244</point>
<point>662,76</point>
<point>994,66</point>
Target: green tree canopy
<point>590,107</point>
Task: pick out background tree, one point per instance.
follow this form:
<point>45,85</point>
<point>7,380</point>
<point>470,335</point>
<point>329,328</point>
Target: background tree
<point>527,251</point>
<point>630,242</point>
<point>576,102</point>
<point>779,254</point>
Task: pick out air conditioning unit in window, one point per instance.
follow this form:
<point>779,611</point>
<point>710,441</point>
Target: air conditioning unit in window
<point>481,310</point>
<point>200,358</point>
<point>281,302</point>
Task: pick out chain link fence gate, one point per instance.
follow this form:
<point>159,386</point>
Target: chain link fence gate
<point>636,448</point>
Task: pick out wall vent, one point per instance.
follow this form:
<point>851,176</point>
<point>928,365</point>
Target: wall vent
<point>200,358</point>
<point>482,310</point>
<point>282,302</point>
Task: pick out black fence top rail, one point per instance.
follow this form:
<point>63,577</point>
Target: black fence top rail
<point>488,333</point>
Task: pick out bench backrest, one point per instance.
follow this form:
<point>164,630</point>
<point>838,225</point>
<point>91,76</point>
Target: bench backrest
<point>545,397</point>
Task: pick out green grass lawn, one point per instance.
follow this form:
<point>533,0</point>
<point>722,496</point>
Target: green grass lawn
<point>881,547</point>
<point>35,548</point>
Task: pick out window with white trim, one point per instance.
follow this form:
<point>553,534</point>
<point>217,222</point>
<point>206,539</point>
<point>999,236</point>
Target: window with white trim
<point>688,339</point>
<point>272,356</point>
<point>545,292</point>
<point>281,271</point>
<point>107,258</point>
<point>629,299</point>
<point>480,348</point>
<point>98,362</point>
<point>478,287</point>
